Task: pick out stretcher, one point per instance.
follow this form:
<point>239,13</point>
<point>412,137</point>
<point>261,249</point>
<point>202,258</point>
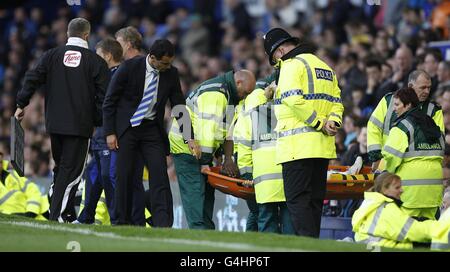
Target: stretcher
<point>339,185</point>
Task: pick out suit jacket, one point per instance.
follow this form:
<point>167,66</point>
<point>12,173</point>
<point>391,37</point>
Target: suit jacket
<point>125,93</point>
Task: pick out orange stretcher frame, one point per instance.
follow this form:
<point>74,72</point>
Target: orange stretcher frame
<point>338,186</point>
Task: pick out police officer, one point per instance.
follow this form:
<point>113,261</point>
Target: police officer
<point>308,109</point>
<point>74,80</point>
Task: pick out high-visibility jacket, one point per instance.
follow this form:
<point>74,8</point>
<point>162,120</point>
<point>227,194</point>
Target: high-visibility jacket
<point>207,106</point>
<point>380,222</point>
<point>31,200</point>
<point>307,93</point>
<point>231,130</point>
<point>257,98</point>
<point>384,116</point>
<point>419,163</point>
<point>256,147</point>
<point>101,212</point>
<point>11,201</point>
<point>440,232</point>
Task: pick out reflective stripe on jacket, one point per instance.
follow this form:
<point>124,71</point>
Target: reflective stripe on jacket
<point>12,201</point>
<point>440,232</point>
<point>380,222</point>
<point>207,107</point>
<point>33,200</point>
<point>256,147</point>
<point>382,119</point>
<point>418,163</point>
<point>307,93</point>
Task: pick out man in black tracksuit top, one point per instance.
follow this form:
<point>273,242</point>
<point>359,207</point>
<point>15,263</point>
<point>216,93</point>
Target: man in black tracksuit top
<point>74,80</point>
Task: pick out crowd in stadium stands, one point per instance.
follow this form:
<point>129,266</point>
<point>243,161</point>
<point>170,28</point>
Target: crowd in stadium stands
<point>372,48</point>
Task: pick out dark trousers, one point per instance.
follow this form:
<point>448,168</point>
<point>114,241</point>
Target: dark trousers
<point>144,140</point>
<point>252,218</point>
<point>92,192</point>
<point>138,202</point>
<point>69,154</point>
<point>100,175</point>
<point>274,217</point>
<point>305,187</point>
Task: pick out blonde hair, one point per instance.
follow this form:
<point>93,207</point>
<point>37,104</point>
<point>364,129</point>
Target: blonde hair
<point>383,181</point>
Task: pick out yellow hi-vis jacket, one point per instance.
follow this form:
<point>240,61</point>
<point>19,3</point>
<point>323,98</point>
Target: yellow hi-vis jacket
<point>231,130</point>
<point>418,163</point>
<point>207,106</point>
<point>256,147</point>
<point>307,93</point>
<point>12,201</point>
<point>21,195</point>
<point>380,222</point>
<point>383,118</point>
<point>440,232</point>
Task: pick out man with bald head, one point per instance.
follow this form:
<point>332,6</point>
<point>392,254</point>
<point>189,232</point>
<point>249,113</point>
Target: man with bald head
<point>208,105</point>
<point>403,65</point>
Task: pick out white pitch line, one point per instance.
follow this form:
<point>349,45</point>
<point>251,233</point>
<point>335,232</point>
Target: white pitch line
<point>111,235</point>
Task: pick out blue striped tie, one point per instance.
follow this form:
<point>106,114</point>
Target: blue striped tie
<point>147,98</point>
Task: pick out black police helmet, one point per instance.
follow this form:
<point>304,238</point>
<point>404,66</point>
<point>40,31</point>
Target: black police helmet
<point>274,38</point>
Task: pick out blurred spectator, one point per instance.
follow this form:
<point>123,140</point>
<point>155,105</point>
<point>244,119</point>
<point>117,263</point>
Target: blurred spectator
<point>374,76</point>
<point>158,10</point>
<point>352,77</point>
<point>443,77</point>
<point>350,129</point>
<point>440,17</point>
<point>358,149</point>
<point>386,71</point>
<point>409,25</point>
<point>431,63</point>
<point>403,66</point>
<point>340,146</point>
<point>239,18</point>
<point>196,39</point>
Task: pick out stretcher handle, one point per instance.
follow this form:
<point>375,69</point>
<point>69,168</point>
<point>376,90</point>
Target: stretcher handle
<point>211,173</point>
<point>338,181</point>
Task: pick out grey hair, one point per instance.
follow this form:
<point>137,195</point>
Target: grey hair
<point>78,27</point>
<point>416,74</point>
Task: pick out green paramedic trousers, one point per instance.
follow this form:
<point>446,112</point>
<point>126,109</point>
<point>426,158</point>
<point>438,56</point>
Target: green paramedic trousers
<point>197,196</point>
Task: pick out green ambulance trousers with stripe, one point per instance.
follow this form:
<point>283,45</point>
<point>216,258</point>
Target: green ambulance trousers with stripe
<point>197,196</point>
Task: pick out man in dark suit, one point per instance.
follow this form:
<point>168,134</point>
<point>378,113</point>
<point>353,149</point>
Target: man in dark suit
<point>134,113</point>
